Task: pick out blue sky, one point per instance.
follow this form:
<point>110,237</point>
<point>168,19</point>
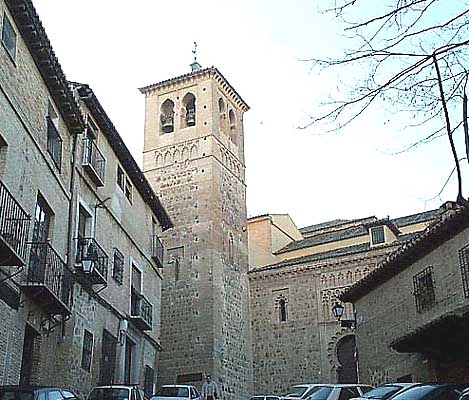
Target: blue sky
<point>258,46</point>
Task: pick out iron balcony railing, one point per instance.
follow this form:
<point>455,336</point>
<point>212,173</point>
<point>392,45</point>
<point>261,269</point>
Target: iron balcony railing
<point>141,311</point>
<point>48,280</point>
<point>14,229</point>
<point>92,260</point>
<point>94,161</point>
<point>54,143</point>
<point>157,250</point>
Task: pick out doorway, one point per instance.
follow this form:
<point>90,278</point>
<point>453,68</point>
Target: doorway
<point>347,370</point>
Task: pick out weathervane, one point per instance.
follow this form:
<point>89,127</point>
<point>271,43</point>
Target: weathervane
<point>195,66</point>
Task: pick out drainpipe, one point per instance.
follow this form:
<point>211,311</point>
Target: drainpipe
<point>71,203</point>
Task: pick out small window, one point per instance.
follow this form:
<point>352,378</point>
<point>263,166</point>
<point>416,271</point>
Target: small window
<point>128,189</point>
<point>9,37</point>
<point>424,290</point>
<point>87,351</point>
<point>282,309</point>
<point>91,130</point>
<point>120,177</point>
<point>118,267</point>
<point>377,235</point>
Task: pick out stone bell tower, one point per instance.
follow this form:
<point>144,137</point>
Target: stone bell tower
<point>194,159</point>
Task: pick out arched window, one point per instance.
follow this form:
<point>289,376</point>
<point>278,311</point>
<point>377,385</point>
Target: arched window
<point>167,116</point>
<point>282,310</point>
<point>188,110</point>
<point>231,120</point>
<point>221,107</point>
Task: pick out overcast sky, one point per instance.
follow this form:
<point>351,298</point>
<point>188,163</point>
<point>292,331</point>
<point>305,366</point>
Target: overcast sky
<point>118,46</point>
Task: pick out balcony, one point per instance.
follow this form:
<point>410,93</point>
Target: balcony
<point>14,228</point>
<point>157,250</point>
<point>49,282</point>
<point>141,311</point>
<point>94,162</point>
<point>91,261</point>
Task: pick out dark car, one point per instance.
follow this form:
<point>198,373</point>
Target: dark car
<point>36,393</point>
<point>384,392</point>
<point>431,392</point>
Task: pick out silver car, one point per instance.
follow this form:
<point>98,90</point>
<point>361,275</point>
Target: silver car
<point>338,391</point>
<point>177,392</point>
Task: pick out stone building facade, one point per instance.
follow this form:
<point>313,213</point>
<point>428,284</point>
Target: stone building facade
<point>295,278</point>
<point>194,159</point>
<point>413,310</point>
<point>80,257</point>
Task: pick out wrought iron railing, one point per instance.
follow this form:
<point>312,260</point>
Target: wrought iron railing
<point>94,158</point>
<point>54,143</point>
<point>47,268</point>
<point>91,257</point>
<point>14,222</point>
<point>157,250</point>
<point>141,307</point>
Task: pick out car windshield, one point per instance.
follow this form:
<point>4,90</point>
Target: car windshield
<point>320,393</point>
<point>109,394</point>
<point>6,394</point>
<point>297,391</point>
<point>169,391</point>
<point>382,392</point>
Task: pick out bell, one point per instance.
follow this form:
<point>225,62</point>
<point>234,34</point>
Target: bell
<point>190,117</point>
<point>167,122</point>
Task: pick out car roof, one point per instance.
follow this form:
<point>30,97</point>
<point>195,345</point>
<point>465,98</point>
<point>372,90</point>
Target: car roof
<point>115,387</point>
<point>182,386</point>
<point>30,387</point>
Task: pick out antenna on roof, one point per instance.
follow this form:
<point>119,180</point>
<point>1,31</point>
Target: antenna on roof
<point>195,66</point>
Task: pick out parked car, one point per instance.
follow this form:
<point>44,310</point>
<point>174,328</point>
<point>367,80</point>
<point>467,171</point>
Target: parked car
<point>338,391</point>
<point>384,392</point>
<point>177,392</point>
<point>116,392</point>
<point>464,395</point>
<point>265,397</point>
<point>35,393</point>
<point>300,392</point>
<point>431,392</point>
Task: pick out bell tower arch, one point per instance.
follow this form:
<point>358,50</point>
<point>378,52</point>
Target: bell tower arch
<point>194,160</point>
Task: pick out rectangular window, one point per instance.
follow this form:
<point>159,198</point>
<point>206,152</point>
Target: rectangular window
<point>128,190</point>
<point>91,130</point>
<point>464,263</point>
<point>42,221</point>
<point>120,177</point>
<point>54,141</point>
<point>424,290</point>
<point>9,37</point>
<point>377,235</point>
<point>118,267</point>
<point>87,351</point>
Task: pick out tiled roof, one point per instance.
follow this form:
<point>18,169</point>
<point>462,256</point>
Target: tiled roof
<point>326,237</point>
<point>359,248</point>
<point>323,225</point>
<point>35,37</point>
<point>124,155</point>
<point>211,71</point>
<point>441,230</point>
<point>415,218</point>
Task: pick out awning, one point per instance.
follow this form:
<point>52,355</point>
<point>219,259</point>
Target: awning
<point>445,338</point>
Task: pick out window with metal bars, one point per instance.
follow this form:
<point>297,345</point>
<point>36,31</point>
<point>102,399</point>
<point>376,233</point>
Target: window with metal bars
<point>149,379</point>
<point>87,351</point>
<point>464,263</point>
<point>377,235</point>
<point>424,290</point>
<point>118,267</point>
<point>9,37</point>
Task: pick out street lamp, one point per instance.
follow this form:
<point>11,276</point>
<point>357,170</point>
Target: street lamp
<point>338,311</point>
